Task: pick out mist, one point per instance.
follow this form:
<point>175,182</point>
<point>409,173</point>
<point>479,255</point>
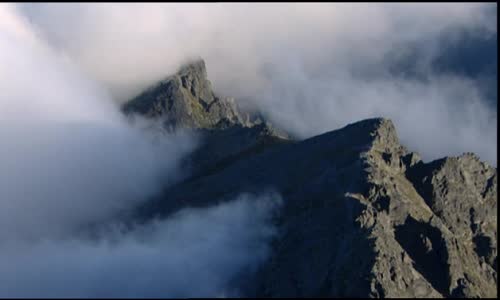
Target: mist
<point>310,68</point>
<point>69,158</point>
<point>73,165</point>
<point>195,253</point>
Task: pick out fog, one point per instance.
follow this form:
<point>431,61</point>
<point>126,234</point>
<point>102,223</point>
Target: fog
<point>68,156</point>
<point>195,253</point>
<point>69,159</point>
<point>72,165</point>
<point>310,68</point>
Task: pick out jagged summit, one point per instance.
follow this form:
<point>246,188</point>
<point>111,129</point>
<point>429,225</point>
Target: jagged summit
<point>378,131</point>
<point>362,216</point>
<point>195,66</point>
<point>186,99</point>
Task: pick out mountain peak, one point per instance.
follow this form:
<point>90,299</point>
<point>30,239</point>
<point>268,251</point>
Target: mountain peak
<point>381,130</point>
<point>194,66</point>
<point>375,133</point>
<point>186,99</point>
<point>386,223</point>
<point>385,133</point>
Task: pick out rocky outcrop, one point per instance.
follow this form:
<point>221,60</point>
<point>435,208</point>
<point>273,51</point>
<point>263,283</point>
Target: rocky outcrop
<point>225,133</point>
<point>462,192</point>
<point>396,228</point>
<point>362,215</point>
<point>186,100</point>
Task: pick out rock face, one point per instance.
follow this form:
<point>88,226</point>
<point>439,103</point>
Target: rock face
<point>462,192</point>
<point>362,215</point>
<point>186,100</point>
<point>390,234</point>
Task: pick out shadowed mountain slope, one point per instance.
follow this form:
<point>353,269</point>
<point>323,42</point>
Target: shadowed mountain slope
<point>362,216</point>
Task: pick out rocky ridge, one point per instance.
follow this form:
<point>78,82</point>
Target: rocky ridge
<point>362,217</point>
<point>186,100</point>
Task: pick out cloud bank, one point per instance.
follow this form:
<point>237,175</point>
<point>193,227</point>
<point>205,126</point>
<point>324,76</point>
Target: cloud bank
<point>68,156</point>
<point>310,67</point>
<point>72,165</point>
<point>70,159</point>
<point>195,253</point>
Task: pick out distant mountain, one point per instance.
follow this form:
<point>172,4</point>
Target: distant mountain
<point>362,217</point>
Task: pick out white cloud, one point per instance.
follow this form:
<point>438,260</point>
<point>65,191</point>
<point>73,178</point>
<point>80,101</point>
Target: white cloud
<point>323,64</point>
<point>70,159</point>
<point>195,253</point>
<point>68,156</point>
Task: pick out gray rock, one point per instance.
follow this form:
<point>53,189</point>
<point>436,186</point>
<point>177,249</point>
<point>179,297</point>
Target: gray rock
<point>462,192</point>
<point>357,219</point>
<point>186,100</point>
<point>220,148</point>
<point>362,215</point>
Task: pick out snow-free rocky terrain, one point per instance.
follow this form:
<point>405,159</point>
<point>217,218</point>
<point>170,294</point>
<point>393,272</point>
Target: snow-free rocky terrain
<point>362,216</point>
